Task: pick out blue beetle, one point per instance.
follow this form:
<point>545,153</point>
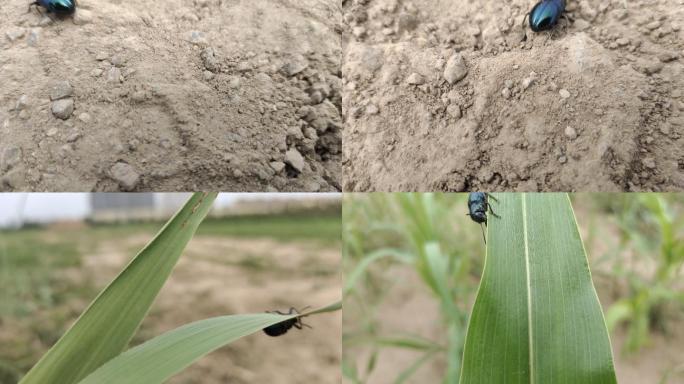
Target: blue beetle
<point>478,206</point>
<point>58,7</point>
<point>545,14</point>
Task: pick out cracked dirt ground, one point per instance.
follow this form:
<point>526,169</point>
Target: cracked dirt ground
<point>446,95</point>
<point>233,95</point>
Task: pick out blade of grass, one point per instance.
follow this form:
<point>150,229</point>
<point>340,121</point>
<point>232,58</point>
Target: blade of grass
<point>160,358</point>
<point>536,318</point>
<point>408,372</point>
<point>365,263</point>
<point>105,328</point>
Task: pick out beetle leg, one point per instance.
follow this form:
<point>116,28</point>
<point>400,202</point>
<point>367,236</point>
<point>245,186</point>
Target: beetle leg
<point>525,18</point>
<point>492,197</point>
<point>489,207</point>
<point>523,27</point>
<point>37,7</point>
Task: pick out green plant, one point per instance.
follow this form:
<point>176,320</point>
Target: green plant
<point>652,232</point>
<point>536,318</point>
<point>417,231</point>
<point>430,235</point>
<point>91,350</point>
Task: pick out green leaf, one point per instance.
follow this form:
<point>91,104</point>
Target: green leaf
<point>105,328</point>
<point>407,342</point>
<point>160,358</point>
<point>408,372</point>
<point>536,318</point>
<point>358,271</point>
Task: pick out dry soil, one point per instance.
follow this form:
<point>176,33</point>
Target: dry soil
<point>455,95</point>
<point>239,95</point>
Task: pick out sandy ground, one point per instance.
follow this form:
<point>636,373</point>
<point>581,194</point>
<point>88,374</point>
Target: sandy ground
<point>175,95</point>
<point>218,276</point>
<point>445,95</point>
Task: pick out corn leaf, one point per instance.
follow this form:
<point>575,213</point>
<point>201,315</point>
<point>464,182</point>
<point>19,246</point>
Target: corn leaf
<point>160,358</point>
<point>536,318</point>
<point>104,330</point>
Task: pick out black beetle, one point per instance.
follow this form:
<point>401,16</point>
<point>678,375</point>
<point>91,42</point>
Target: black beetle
<point>478,206</point>
<point>284,326</point>
<point>58,7</point>
<point>545,14</point>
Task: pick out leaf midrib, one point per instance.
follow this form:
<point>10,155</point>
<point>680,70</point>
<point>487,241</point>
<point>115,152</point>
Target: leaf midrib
<point>528,287</point>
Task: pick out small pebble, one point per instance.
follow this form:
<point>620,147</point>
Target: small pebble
<point>234,82</point>
<point>73,135</point>
<point>527,82</point>
<point>372,109</point>
<point>114,75</point>
<point>564,93</point>
<point>21,103</point>
<point>506,93</point>
<point>125,175</point>
<point>61,90</point>
<point>117,61</point>
<point>15,34</point>
<point>454,111</point>
<point>570,133</point>
<point>197,37</point>
<point>649,163</point>
<point>415,79</point>
<point>277,166</point>
<point>455,69</point>
<point>10,157</point>
<point>33,37</point>
<point>84,117</point>
<point>63,108</point>
<point>297,65</point>
<point>295,159</point>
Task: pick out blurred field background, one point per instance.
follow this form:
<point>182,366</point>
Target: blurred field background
<point>394,327</point>
<point>249,256</point>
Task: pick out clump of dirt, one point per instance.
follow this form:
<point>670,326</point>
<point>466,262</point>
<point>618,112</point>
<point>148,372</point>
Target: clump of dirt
<point>179,95</point>
<point>456,96</point>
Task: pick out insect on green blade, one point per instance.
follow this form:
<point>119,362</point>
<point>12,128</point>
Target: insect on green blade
<point>536,318</point>
<point>105,328</point>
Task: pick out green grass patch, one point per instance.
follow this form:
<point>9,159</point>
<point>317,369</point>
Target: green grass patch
<point>324,226</point>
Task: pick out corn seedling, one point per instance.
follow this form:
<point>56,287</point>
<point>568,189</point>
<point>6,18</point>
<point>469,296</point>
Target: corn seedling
<point>536,317</point>
<point>93,350</point>
<point>651,229</point>
<point>417,231</point>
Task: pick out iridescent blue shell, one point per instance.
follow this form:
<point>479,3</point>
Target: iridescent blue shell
<point>546,14</point>
<point>59,7</point>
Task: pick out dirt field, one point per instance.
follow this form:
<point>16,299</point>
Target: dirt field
<point>233,95</point>
<point>446,95</point>
<point>216,276</point>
